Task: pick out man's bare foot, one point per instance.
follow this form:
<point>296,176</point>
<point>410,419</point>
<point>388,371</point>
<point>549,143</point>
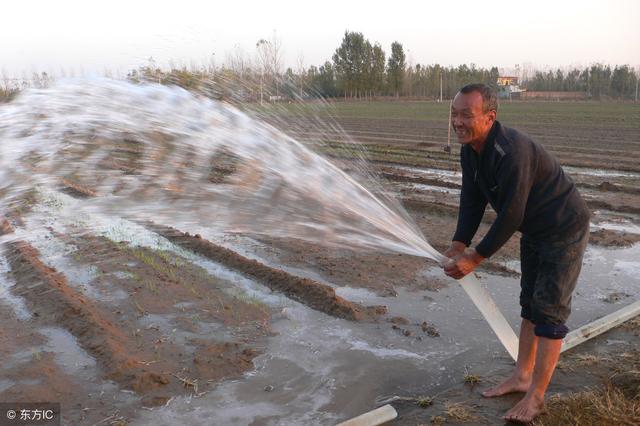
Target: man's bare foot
<point>515,383</point>
<point>526,410</point>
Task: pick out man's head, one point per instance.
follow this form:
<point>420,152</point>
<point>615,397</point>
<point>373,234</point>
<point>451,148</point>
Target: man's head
<point>473,112</point>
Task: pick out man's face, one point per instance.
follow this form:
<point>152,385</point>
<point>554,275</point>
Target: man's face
<point>470,123</point>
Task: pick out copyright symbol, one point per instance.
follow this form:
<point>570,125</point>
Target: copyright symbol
<point>11,414</point>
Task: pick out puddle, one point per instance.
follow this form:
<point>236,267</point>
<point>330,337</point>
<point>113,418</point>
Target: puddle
<point>610,270</point>
<point>166,324</point>
<point>16,303</point>
<point>598,172</point>
<point>623,226</point>
<point>629,268</point>
<point>609,216</point>
<point>433,188</point>
<point>445,175</point>
<point>6,384</point>
<point>68,353</point>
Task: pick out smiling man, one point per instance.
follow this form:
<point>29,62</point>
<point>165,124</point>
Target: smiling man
<point>530,193</point>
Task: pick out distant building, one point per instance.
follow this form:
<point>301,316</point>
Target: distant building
<point>507,81</point>
<point>508,87</point>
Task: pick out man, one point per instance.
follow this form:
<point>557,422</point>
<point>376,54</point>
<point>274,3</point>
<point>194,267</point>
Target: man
<point>530,193</point>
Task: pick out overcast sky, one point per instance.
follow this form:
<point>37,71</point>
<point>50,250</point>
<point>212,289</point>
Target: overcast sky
<point>93,35</point>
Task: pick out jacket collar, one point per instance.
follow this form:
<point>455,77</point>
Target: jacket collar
<point>491,139</point>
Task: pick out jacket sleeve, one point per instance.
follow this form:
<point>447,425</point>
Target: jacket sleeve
<point>472,204</point>
<point>515,175</point>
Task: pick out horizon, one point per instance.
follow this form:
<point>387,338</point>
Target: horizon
<point>75,38</point>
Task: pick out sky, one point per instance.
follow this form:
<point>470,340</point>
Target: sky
<point>90,36</point>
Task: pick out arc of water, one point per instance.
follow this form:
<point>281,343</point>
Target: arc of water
<point>478,294</point>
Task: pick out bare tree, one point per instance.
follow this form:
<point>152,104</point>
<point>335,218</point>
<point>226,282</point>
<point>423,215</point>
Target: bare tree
<point>211,66</point>
<point>269,57</point>
<point>262,62</point>
<point>238,61</point>
<point>301,71</point>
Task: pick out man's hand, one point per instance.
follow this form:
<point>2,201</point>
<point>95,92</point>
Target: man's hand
<point>455,249</point>
<point>463,263</point>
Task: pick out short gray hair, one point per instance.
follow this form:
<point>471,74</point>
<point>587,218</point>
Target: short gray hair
<point>489,97</point>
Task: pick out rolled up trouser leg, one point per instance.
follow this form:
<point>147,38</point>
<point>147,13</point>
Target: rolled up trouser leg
<point>551,331</point>
<point>550,271</point>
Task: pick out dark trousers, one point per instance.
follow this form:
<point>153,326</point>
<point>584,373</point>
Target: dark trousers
<point>550,271</point>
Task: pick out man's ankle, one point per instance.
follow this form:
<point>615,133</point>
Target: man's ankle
<point>522,375</point>
<point>535,395</point>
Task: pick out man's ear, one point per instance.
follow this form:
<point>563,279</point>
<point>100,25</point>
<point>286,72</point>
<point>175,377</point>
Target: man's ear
<point>492,115</point>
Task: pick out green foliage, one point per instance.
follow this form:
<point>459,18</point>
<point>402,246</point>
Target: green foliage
<point>350,61</point>
<point>396,68</point>
<point>323,80</point>
<point>377,68</point>
<point>598,81</point>
<point>359,67</point>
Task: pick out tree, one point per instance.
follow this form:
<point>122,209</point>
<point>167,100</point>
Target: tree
<point>622,82</point>
<point>377,69</point>
<point>349,62</point>
<point>326,80</point>
<point>599,80</point>
<point>493,77</point>
<point>269,55</point>
<point>366,80</point>
<point>301,77</point>
<point>238,62</point>
<point>396,68</point>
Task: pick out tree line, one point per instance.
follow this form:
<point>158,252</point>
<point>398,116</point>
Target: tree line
<point>598,81</point>
<point>361,69</point>
<point>358,69</point>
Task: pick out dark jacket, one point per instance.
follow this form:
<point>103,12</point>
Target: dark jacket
<point>526,187</point>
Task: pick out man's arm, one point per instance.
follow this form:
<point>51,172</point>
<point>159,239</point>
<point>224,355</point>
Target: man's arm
<point>515,174</point>
<point>472,204</point>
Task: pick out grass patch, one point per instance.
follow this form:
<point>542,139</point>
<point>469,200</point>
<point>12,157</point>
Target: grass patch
<point>609,406</point>
<point>458,412</point>
<point>589,114</point>
<point>581,360</point>
<point>437,420</point>
<point>471,379</point>
<point>424,402</point>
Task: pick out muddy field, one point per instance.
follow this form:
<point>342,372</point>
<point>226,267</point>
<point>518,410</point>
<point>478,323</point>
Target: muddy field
<point>142,323</point>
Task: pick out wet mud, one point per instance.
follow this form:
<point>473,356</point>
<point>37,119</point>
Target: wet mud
<point>610,238</point>
<point>314,294</point>
<point>154,341</point>
<point>593,367</point>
